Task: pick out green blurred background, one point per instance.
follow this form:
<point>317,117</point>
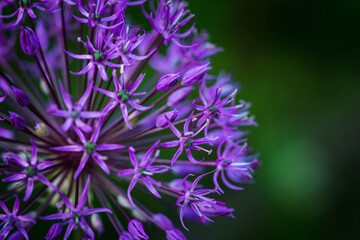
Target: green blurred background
<point>298,63</point>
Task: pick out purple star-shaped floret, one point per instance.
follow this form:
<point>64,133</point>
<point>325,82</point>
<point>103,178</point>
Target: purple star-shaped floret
<point>215,107</point>
<point>31,171</point>
<point>143,171</point>
<point>169,18</point>
<point>76,215</point>
<point>9,219</point>
<point>123,95</point>
<point>75,112</point>
<point>127,39</point>
<point>98,57</point>
<point>25,6</point>
<point>90,148</point>
<point>94,14</point>
<point>199,203</point>
<point>187,142</point>
<point>234,162</point>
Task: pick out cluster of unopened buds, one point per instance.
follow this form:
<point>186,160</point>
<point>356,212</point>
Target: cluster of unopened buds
<point>86,137</point>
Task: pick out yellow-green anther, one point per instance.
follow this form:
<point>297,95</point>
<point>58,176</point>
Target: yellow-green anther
<point>41,130</point>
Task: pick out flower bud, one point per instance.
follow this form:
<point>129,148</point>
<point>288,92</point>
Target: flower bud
<point>97,223</point>
<point>179,95</point>
<point>163,221</point>
<point>255,163</point>
<point>138,215</point>
<point>177,184</point>
<point>136,228</point>
<point>175,234</point>
<point>17,121</point>
<point>211,211</point>
<point>21,97</point>
<point>29,42</point>
<point>54,232</point>
<point>167,82</point>
<point>184,169</point>
<point>195,74</point>
<point>161,121</point>
<point>123,201</point>
<point>126,236</point>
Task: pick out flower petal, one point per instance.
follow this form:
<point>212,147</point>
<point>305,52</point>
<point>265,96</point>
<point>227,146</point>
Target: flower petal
<point>15,177</point>
<point>100,162</point>
<point>56,216</point>
<point>84,194</point>
<point>82,164</point>
<point>96,210</point>
<point>69,148</point>
<point>108,147</point>
<point>69,229</point>
<point>29,188</point>
<point>176,155</point>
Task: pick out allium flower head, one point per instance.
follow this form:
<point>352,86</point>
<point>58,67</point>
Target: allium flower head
<point>96,111</point>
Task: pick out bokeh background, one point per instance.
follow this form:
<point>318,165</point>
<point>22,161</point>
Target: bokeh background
<point>298,63</point>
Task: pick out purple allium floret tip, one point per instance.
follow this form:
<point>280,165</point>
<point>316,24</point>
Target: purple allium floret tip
<point>29,42</point>
<point>105,111</point>
<point>17,121</point>
<point>21,97</point>
<point>167,82</point>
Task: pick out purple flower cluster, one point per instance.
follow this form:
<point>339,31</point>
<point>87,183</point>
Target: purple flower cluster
<point>95,111</point>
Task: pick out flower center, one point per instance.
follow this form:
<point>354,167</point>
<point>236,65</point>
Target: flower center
<point>227,162</point>
<point>189,142</point>
<point>76,217</point>
<point>97,16</point>
<point>123,95</point>
<point>25,3</point>
<point>90,147</point>
<point>30,171</point>
<point>98,55</point>
<point>213,108</point>
<point>75,114</point>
